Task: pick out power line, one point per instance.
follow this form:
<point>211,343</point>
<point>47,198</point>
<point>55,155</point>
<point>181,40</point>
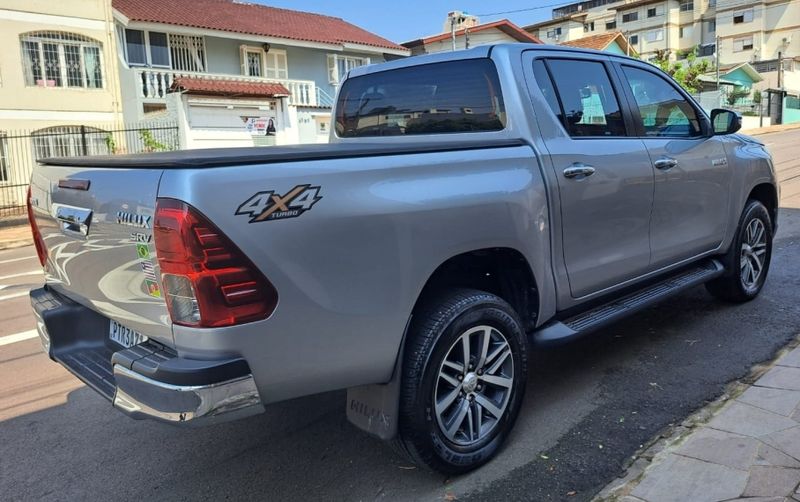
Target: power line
<point>529,9</point>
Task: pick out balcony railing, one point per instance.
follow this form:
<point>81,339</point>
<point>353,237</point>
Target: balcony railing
<point>154,83</point>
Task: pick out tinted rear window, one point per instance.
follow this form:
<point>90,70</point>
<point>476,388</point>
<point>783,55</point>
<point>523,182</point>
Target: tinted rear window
<point>451,97</point>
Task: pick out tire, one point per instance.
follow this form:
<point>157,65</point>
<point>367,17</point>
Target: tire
<point>737,285</point>
<point>431,436</point>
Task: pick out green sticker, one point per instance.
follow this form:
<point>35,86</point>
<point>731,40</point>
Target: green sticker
<point>143,251</point>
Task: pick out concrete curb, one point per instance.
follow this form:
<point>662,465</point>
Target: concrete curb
<point>771,129</point>
<point>15,244</point>
<point>672,437</point>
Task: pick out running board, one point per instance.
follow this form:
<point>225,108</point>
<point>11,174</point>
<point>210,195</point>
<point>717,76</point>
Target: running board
<point>557,332</point>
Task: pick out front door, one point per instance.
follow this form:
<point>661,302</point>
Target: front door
<point>692,175</point>
<point>605,178</point>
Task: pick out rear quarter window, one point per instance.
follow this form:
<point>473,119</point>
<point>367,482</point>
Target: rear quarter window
<point>451,97</point>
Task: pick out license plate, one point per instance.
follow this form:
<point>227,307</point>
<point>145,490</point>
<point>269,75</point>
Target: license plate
<point>125,336</point>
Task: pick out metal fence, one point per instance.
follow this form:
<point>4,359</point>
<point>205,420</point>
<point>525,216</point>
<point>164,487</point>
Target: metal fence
<point>20,150</point>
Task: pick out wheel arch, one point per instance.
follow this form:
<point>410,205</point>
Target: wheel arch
<point>767,194</point>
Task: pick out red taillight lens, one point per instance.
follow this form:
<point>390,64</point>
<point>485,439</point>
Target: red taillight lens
<point>41,251</point>
<point>208,281</point>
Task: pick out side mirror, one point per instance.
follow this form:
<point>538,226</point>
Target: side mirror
<point>725,121</point>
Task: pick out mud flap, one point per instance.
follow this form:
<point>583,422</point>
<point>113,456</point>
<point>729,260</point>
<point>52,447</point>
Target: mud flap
<point>375,408</point>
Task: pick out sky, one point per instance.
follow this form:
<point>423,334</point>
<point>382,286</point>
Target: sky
<point>404,20</point>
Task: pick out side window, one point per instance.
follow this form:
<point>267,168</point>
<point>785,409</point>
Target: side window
<point>546,86</point>
<point>590,107</point>
<point>663,110</point>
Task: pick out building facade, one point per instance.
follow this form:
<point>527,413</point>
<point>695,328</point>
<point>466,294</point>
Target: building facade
<point>235,74</point>
<point>59,87</point>
<point>746,30</point>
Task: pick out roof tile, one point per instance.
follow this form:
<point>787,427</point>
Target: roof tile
<point>229,87</point>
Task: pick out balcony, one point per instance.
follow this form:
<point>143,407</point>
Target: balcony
<point>153,84</point>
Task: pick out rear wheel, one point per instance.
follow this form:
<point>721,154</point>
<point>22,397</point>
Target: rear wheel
<point>464,373</point>
<point>747,262</point>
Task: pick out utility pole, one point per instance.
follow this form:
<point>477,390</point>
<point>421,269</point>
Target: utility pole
<point>453,31</point>
<point>716,51</point>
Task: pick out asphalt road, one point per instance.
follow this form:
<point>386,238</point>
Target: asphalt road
<point>590,405</point>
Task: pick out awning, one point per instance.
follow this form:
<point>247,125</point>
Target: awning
<point>231,88</point>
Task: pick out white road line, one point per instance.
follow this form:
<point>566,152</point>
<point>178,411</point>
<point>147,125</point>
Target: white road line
<point>14,295</point>
<point>18,337</point>
<point>21,274</point>
<point>12,260</point>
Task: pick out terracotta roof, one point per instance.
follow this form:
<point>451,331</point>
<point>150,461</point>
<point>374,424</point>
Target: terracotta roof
<point>250,19</point>
<point>503,25</point>
<point>219,87</point>
<point>600,42</point>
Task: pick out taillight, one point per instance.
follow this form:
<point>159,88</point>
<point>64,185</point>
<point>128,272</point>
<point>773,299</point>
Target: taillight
<point>41,251</point>
<point>207,280</point>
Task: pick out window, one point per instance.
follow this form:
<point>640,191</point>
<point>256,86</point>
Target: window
<point>451,97</point>
<point>556,32</point>
<point>654,36</point>
<point>634,40</point>
<point>588,103</point>
<point>4,169</point>
<point>136,47</point>
<point>629,17</point>
<point>69,141</point>
<point>712,4</point>
<point>546,86</point>
<point>338,66</point>
<point>656,11</point>
<point>711,26</point>
<point>253,63</point>
<point>60,59</point>
<point>687,5</point>
<point>743,44</point>
<point>663,110</point>
<point>611,25</point>
<point>685,32</point>
<point>159,49</point>
<point>188,52</point>
<point>744,16</point>
<point>587,27</point>
<point>147,48</point>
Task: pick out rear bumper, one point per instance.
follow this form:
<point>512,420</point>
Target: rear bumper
<point>147,380</point>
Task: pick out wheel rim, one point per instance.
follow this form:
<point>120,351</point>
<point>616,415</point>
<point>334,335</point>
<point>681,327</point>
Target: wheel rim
<point>754,250</point>
<point>474,385</point>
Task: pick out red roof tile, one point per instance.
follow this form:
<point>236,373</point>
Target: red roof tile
<point>601,41</point>
<point>503,25</point>
<point>250,19</point>
<point>229,87</point>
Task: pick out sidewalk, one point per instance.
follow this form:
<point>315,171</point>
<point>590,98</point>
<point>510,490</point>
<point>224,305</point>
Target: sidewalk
<point>748,449</point>
<point>16,236</point>
<point>769,129</point>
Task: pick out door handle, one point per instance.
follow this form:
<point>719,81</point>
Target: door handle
<point>665,163</point>
<point>578,170</point>
<point>73,221</point>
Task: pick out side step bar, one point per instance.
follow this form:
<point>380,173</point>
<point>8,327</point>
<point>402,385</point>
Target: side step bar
<point>557,332</point>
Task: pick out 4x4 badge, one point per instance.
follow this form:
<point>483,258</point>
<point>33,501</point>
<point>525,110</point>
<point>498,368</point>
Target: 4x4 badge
<point>268,206</point>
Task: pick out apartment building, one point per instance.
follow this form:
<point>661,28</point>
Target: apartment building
<point>748,30</point>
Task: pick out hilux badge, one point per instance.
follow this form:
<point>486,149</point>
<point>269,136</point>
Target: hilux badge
<point>133,219</point>
<point>268,206</point>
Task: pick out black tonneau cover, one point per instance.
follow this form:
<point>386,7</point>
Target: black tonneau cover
<point>217,157</point>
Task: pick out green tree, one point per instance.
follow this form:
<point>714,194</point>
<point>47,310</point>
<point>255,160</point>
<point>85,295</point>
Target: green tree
<point>687,73</point>
<point>151,144</point>
<point>735,95</point>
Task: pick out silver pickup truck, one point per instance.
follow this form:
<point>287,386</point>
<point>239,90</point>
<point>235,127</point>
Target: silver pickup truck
<point>470,205</point>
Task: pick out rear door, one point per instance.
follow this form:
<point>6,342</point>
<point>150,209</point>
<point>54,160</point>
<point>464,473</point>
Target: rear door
<point>692,175</point>
<point>96,224</point>
<point>604,174</point>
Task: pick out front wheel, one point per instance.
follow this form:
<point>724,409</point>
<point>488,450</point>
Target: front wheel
<point>464,372</point>
<point>748,260</point>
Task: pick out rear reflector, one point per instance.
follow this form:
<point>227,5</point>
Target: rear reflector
<point>208,281</point>
<point>41,251</point>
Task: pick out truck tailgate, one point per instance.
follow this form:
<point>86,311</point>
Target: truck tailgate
<point>96,224</point>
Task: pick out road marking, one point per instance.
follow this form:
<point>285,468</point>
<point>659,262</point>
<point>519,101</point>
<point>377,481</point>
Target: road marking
<point>21,274</point>
<point>18,337</point>
<point>12,260</point>
<point>14,295</point>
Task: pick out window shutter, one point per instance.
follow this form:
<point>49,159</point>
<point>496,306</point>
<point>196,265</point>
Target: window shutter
<point>333,76</point>
<point>243,59</point>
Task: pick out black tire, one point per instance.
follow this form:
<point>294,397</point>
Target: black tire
<point>437,325</point>
<point>731,286</point>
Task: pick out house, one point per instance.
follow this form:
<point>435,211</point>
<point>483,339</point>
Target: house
<point>232,73</point>
<point>613,42</point>
<point>58,86</point>
<point>462,31</point>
